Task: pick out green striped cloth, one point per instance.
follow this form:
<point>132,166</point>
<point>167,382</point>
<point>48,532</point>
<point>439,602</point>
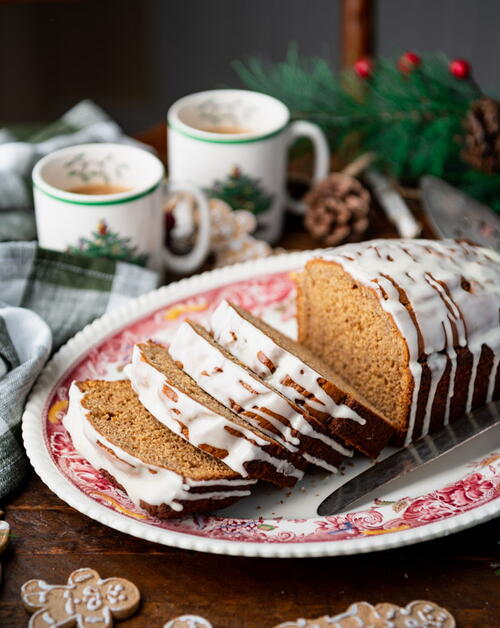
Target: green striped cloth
<point>45,298</point>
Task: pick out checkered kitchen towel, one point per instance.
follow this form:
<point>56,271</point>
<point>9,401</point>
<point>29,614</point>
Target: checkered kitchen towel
<point>45,298</point>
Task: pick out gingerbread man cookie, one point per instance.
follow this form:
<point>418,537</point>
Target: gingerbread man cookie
<point>417,614</point>
<point>188,621</point>
<point>85,601</point>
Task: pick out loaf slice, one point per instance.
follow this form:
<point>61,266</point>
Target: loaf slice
<point>302,377</point>
<point>158,470</point>
<point>413,324</point>
<point>179,403</point>
<point>233,384</point>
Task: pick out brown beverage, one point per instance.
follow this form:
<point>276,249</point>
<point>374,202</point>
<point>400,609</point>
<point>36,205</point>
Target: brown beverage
<point>99,188</point>
<point>225,129</point>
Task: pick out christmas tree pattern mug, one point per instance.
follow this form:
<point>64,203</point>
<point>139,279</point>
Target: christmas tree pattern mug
<point>108,199</point>
<point>234,144</point>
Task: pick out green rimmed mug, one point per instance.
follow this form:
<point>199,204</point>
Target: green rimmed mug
<point>234,144</point>
<point>127,221</point>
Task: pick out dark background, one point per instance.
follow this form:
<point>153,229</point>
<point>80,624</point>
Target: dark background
<point>135,57</point>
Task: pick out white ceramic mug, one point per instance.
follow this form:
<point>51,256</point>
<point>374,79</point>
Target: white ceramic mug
<point>134,218</point>
<point>219,135</point>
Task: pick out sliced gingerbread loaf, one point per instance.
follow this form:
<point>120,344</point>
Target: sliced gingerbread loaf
<point>413,324</point>
<point>158,470</point>
<point>232,383</point>
<point>302,377</point>
<point>179,403</point>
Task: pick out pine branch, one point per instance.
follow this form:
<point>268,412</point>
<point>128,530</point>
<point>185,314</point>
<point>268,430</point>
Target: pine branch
<point>412,121</point>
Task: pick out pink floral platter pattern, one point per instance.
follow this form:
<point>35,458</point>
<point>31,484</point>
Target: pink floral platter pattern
<point>270,295</point>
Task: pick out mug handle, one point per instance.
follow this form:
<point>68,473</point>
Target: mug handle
<point>302,128</point>
<point>184,264</point>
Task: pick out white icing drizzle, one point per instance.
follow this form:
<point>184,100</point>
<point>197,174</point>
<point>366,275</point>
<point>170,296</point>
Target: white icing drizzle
<point>453,290</point>
<point>320,463</point>
<point>48,619</point>
<point>230,383</point>
<point>203,424</point>
<point>437,368</point>
<point>451,387</point>
<point>492,378</point>
<point>163,486</point>
<point>416,371</point>
<point>472,380</point>
<point>246,341</point>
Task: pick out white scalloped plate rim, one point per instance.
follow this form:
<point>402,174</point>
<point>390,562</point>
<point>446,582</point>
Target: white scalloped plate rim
<point>69,354</point>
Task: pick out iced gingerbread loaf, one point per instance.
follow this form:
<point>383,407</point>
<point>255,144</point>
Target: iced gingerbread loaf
<point>178,402</point>
<point>411,324</point>
<point>158,470</point>
<point>232,383</point>
<point>302,377</point>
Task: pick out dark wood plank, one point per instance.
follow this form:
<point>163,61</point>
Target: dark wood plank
<point>51,540</point>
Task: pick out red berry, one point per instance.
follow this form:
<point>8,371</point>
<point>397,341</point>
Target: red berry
<point>408,62</point>
<point>460,68</point>
<point>363,67</point>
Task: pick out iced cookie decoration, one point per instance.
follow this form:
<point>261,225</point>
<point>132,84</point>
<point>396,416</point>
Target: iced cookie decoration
<point>188,621</point>
<point>417,614</point>
<point>86,600</point>
<point>231,238</point>
<point>4,539</point>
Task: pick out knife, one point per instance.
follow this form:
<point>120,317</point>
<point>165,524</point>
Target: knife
<point>454,214</point>
<point>415,456</point>
<point>393,204</point>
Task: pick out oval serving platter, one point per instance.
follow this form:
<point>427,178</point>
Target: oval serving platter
<point>449,495</point>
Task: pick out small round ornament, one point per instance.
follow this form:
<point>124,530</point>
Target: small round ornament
<point>460,68</point>
<point>363,67</point>
<point>408,62</point>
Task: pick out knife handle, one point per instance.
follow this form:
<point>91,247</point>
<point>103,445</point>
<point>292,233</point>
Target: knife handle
<point>395,208</point>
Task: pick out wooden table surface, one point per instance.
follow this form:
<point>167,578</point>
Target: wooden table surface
<point>51,539</point>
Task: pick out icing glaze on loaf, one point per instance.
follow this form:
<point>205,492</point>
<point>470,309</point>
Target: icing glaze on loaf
<point>274,364</point>
<point>142,482</point>
<point>444,296</point>
<point>233,386</point>
<point>197,423</point>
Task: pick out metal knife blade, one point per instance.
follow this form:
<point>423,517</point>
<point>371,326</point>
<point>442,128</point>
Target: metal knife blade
<point>418,454</point>
<point>454,214</point>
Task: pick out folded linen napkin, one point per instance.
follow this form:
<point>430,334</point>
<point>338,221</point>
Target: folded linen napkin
<point>22,146</point>
<point>45,298</point>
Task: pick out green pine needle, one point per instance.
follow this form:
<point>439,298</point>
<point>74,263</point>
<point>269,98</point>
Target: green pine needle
<point>413,121</point>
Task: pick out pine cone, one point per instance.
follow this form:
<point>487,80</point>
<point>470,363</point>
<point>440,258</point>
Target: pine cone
<point>482,140</point>
<point>337,210</point>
